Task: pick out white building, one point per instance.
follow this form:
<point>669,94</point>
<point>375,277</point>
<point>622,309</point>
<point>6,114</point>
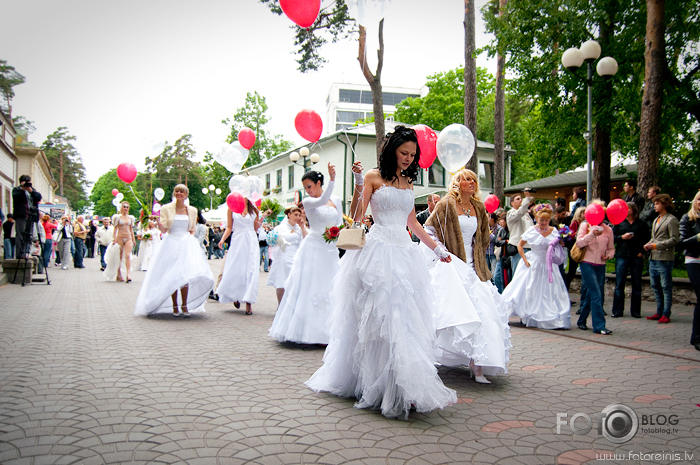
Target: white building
<point>282,178</point>
<point>8,163</point>
<point>348,103</point>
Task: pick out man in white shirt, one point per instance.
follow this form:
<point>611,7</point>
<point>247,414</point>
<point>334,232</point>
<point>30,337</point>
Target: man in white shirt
<point>518,221</point>
<point>104,236</point>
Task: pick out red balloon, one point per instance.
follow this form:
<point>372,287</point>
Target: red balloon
<point>594,214</point>
<point>247,138</point>
<point>126,172</point>
<point>309,125</point>
<point>617,211</point>
<point>427,141</point>
<point>492,203</point>
<point>258,203</point>
<point>115,191</point>
<point>235,202</point>
<point>302,12</point>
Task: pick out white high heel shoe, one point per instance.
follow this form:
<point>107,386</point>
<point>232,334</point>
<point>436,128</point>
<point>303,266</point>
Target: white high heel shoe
<point>481,379</point>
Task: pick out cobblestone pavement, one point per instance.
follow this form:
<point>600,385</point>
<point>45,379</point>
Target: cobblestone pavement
<point>82,380</point>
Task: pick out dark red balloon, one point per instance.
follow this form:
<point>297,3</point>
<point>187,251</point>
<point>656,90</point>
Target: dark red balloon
<point>127,172</point>
<point>492,203</point>
<point>235,202</point>
<point>427,141</point>
<point>309,125</point>
<point>594,214</point>
<point>302,12</point>
<point>246,137</point>
<point>617,211</point>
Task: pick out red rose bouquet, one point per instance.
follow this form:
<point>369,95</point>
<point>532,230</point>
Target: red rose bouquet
<point>331,233</point>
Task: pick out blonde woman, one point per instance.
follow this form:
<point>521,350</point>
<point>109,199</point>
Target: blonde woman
<point>537,293</point>
<point>471,318</point>
<point>178,266</point>
<point>690,241</point>
<point>124,240</point>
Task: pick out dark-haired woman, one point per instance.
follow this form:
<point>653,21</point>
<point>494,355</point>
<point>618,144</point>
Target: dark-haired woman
<point>239,282</point>
<point>292,232</point>
<point>200,230</point>
<point>382,330</point>
<point>302,315</point>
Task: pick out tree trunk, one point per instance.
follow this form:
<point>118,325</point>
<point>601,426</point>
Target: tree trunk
<point>499,123</point>
<point>601,167</point>
<point>652,100</point>
<point>60,172</point>
<point>470,75</point>
<point>375,83</point>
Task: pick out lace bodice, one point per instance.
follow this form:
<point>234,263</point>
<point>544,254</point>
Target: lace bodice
<point>468,226</point>
<point>180,227</point>
<point>243,223</point>
<point>390,209</point>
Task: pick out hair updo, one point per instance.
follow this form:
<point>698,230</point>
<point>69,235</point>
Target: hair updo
<point>387,159</point>
<point>314,176</point>
<point>543,209</point>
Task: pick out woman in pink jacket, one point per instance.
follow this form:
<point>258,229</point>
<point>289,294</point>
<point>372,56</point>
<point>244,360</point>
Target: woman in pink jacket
<point>599,244</point>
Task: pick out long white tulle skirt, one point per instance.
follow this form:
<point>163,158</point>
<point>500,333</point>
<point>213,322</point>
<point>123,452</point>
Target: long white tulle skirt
<point>302,315</point>
<point>178,261</point>
<point>114,263</point>
<point>239,282</point>
<point>382,333</point>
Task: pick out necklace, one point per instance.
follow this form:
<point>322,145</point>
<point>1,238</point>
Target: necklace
<point>466,212</point>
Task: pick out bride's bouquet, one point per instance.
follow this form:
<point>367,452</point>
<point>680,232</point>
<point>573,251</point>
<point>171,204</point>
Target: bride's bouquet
<point>332,232</point>
<point>146,237</point>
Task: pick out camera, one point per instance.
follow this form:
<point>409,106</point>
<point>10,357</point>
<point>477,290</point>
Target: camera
<point>530,189</point>
<point>27,184</point>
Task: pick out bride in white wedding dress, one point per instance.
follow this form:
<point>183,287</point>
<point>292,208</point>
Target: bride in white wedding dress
<point>382,331</point>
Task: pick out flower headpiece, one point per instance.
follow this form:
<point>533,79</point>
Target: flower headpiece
<point>542,206</point>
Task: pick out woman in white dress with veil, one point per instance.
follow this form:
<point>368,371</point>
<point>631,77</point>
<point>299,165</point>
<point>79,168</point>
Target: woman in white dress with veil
<point>382,331</point>
<point>150,239</point>
<point>291,230</point>
<point>239,282</point>
<point>463,288</point>
<point>302,315</point>
<point>178,265</point>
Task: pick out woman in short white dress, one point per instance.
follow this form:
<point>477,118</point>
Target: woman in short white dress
<point>302,315</point>
<point>239,282</point>
<point>292,231</point>
<point>382,330</point>
<point>178,264</point>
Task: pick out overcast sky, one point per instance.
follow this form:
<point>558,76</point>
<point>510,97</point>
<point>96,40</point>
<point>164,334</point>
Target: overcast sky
<point>126,76</point>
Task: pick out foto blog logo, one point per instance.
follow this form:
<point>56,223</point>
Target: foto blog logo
<point>618,423</point>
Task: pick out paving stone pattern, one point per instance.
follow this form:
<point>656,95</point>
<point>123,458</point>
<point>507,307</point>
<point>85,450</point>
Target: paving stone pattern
<point>84,381</point>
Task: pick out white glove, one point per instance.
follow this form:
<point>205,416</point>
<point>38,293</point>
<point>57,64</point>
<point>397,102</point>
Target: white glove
<point>441,251</point>
<point>359,179</point>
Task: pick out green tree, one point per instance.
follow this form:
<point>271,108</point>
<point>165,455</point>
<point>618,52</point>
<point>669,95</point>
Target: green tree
<point>101,194</point>
<point>67,167</point>
<point>253,115</point>
<point>9,78</point>
<point>216,174</point>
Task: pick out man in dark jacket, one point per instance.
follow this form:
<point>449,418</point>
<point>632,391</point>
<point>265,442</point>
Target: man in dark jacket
<point>631,195</point>
<point>25,201</point>
<point>648,214</point>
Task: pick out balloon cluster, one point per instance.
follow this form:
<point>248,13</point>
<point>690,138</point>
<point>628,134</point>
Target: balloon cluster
<point>244,187</point>
<point>617,212</point>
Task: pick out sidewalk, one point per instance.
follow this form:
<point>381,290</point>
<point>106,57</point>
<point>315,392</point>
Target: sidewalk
<point>84,381</point>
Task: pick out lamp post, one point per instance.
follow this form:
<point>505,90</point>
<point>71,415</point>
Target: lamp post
<point>211,190</point>
<point>572,59</point>
<point>304,153</point>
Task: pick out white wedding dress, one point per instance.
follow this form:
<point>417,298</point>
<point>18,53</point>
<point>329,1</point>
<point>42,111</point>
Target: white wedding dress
<point>177,262</point>
<point>148,248</point>
<point>530,295</point>
<point>302,315</point>
<point>382,332</point>
<point>282,263</point>
<point>472,319</point>
<point>239,282</point>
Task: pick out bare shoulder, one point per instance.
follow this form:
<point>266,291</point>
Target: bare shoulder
<point>373,179</point>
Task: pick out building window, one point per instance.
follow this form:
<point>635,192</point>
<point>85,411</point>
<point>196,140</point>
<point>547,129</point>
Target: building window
<point>290,177</point>
<point>436,175</point>
<point>349,116</point>
<point>279,177</point>
<point>486,176</point>
<point>267,181</point>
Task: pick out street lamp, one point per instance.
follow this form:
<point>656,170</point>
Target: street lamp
<point>304,152</point>
<point>211,190</point>
<point>572,59</point>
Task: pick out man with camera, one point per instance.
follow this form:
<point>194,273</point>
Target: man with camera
<point>25,201</point>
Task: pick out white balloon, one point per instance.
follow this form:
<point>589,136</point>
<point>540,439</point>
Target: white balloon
<point>455,147</point>
<point>156,207</point>
<point>115,202</point>
<point>159,194</point>
<point>256,186</point>
<point>240,184</point>
<point>119,197</point>
<point>231,156</point>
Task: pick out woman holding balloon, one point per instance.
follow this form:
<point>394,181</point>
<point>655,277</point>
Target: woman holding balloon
<point>598,240</point>
<point>178,266</point>
<point>239,282</point>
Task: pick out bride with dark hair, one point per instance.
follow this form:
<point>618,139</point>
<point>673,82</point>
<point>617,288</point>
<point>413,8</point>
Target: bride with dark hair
<point>382,331</point>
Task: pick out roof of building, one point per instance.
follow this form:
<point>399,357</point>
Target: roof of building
<point>571,179</point>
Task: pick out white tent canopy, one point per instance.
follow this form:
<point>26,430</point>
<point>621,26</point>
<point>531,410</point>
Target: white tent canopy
<point>216,217</point>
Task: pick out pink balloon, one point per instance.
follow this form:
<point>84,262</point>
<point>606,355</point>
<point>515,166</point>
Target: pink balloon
<point>302,12</point>
<point>594,214</point>
<point>235,202</point>
<point>617,211</point>
<point>427,141</point>
<point>247,138</point>
<point>115,191</point>
<point>309,125</point>
<point>258,203</point>
<point>492,203</point>
<point>127,172</point>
